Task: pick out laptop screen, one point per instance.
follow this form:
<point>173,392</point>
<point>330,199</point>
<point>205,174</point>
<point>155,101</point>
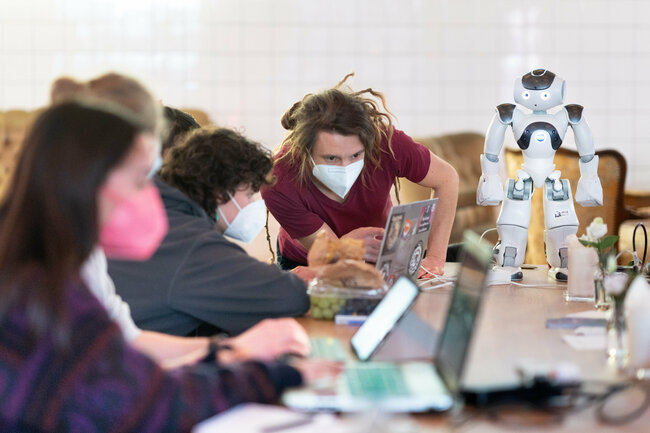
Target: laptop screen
<point>405,239</point>
<point>461,315</point>
<point>383,318</point>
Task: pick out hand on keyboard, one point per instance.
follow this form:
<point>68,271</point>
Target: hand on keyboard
<point>317,372</point>
<point>270,339</point>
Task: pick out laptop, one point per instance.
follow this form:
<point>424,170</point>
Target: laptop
<point>405,239</point>
<point>416,386</point>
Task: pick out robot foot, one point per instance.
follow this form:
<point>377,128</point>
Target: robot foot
<point>504,275</point>
<point>559,274</point>
<point>517,276</point>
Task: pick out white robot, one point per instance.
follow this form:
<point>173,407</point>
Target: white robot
<point>539,134</point>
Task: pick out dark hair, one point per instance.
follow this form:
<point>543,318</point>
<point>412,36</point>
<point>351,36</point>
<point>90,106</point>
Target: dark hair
<point>49,217</point>
<point>179,123</point>
<point>337,110</point>
<point>212,162</point>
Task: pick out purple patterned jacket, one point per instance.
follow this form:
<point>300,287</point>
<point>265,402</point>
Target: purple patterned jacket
<point>98,383</point>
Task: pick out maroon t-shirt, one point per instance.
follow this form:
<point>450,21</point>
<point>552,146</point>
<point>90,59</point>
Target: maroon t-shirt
<point>302,209</point>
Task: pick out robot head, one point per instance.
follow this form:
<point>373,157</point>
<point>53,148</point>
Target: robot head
<point>539,90</point>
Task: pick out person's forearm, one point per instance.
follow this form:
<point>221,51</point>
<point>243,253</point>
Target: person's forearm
<point>443,220</point>
<point>171,351</point>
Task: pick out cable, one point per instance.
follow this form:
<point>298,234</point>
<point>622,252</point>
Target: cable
<point>645,243</point>
<point>429,272</point>
<point>487,231</point>
<point>605,415</point>
<point>437,286</point>
<point>441,279</point>
<point>542,286</point>
<point>571,400</point>
<point>623,252</point>
<point>435,277</point>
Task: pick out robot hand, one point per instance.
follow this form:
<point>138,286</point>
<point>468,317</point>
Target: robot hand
<point>490,188</point>
<point>589,192</point>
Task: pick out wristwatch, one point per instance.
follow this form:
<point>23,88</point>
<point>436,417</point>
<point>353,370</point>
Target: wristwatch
<point>216,344</point>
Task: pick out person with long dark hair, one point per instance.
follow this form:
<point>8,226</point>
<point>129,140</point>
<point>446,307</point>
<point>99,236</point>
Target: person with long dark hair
<point>64,365</point>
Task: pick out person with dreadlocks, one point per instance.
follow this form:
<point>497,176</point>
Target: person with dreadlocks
<point>335,169</point>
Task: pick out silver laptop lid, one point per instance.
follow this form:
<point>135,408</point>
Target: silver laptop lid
<point>464,306</point>
<point>384,318</point>
<point>405,239</point>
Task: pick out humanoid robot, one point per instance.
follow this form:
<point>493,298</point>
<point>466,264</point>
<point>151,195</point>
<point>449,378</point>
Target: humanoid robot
<point>539,134</point>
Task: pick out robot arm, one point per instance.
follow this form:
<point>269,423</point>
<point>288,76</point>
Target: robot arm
<point>490,188</point>
<point>589,191</point>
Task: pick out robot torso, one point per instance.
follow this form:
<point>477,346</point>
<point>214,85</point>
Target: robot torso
<point>539,135</point>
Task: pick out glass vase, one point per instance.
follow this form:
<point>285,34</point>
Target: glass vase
<point>617,350</point>
<point>601,301</point>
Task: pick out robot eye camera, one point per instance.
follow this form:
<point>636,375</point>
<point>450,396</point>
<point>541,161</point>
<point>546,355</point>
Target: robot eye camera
<point>539,79</point>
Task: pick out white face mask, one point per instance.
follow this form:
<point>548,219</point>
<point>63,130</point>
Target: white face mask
<point>248,222</point>
<point>155,168</point>
<point>337,178</point>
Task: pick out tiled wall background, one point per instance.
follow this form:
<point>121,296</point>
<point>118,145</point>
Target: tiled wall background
<point>443,65</point>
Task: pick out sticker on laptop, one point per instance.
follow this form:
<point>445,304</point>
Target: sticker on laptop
<point>425,218</point>
<point>407,228</point>
<point>396,222</point>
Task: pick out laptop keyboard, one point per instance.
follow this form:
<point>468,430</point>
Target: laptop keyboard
<point>375,380</point>
<point>327,348</point>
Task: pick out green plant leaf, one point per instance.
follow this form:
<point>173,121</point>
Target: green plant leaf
<point>587,243</point>
<point>608,241</point>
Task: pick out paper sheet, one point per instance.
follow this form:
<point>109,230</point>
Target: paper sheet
<point>590,331</point>
<point>585,342</point>
<point>260,418</point>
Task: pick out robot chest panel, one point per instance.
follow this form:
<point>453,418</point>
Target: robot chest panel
<point>540,133</point>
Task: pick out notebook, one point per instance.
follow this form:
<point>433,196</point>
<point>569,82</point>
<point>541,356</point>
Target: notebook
<point>405,239</point>
<point>415,386</point>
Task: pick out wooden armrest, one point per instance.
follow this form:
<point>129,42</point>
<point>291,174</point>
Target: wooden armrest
<point>635,198</point>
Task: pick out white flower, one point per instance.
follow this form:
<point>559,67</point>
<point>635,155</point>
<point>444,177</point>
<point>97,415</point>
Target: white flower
<point>615,283</point>
<point>596,230</point>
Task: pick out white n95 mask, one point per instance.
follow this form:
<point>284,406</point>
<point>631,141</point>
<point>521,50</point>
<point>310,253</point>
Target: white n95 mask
<point>248,222</point>
<point>155,168</point>
<point>337,178</point>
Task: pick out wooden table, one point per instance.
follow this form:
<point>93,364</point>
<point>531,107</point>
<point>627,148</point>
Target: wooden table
<point>511,328</point>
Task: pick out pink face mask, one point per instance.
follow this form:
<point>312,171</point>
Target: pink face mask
<point>136,226</point>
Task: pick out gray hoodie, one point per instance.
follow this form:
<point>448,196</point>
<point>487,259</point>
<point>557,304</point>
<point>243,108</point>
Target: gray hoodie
<point>199,279</point>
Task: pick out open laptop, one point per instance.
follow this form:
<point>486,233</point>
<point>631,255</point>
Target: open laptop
<point>405,239</point>
<point>409,386</point>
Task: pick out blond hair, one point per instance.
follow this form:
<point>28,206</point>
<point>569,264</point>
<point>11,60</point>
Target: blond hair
<point>116,88</point>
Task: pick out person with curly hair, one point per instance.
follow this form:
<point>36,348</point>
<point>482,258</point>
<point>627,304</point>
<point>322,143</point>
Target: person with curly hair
<point>198,282</point>
<point>267,340</point>
<point>335,169</point>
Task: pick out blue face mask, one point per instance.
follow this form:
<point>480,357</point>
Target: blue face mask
<point>157,163</point>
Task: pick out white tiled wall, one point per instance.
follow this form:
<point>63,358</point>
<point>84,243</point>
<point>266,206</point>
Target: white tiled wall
<point>443,65</point>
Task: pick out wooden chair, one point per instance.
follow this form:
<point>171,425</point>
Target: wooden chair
<point>13,127</point>
<point>462,151</point>
<point>612,170</point>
